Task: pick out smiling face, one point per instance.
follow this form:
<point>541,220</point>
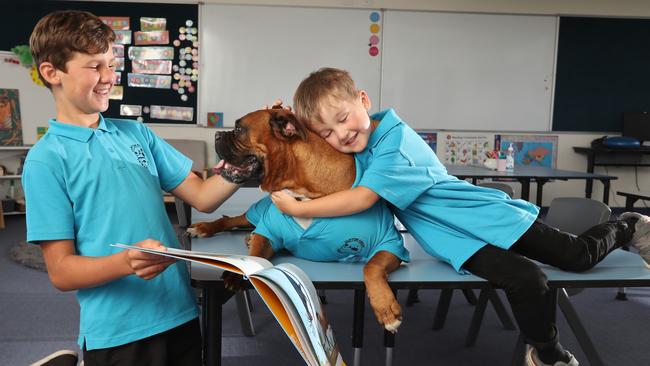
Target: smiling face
<point>82,90</point>
<point>344,123</point>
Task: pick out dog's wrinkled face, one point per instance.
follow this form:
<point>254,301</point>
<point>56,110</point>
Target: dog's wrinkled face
<point>246,148</point>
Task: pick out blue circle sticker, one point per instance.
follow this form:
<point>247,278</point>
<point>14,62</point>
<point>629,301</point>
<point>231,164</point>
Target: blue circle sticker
<point>374,16</point>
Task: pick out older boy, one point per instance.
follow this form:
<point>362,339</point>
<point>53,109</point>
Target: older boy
<point>474,229</point>
<point>93,181</point>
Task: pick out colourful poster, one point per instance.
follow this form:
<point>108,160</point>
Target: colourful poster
<point>151,37</point>
<point>530,150</point>
<point>465,149</point>
<point>215,119</point>
<point>11,130</point>
<point>116,23</point>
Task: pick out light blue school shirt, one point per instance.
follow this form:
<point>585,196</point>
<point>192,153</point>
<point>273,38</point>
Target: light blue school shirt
<point>354,238</point>
<point>103,186</point>
<point>450,218</point>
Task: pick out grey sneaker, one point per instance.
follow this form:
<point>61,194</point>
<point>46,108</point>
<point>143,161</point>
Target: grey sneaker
<point>533,360</point>
<point>59,358</point>
<point>641,238</point>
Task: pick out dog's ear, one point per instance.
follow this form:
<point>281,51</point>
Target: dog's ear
<point>285,126</point>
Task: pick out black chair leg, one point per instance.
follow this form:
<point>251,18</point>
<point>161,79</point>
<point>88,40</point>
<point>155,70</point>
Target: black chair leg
<point>477,318</point>
<point>469,295</point>
<point>412,297</point>
<point>501,311</point>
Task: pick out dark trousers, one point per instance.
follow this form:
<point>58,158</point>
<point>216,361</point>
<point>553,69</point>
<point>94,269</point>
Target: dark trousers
<point>526,284</point>
<point>177,346</point>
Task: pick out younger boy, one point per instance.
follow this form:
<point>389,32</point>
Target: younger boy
<point>93,181</point>
<point>475,229</point>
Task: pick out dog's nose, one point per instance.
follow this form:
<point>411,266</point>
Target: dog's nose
<point>217,136</point>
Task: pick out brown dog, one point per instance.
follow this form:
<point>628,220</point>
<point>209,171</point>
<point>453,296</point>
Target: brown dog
<point>269,146</point>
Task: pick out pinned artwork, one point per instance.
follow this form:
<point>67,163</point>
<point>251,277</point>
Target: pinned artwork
<point>118,78</point>
<point>123,36</point>
<point>119,64</point>
<point>40,132</point>
<point>116,23</point>
<point>215,119</point>
<point>153,24</point>
<point>118,50</point>
<point>172,113</point>
<point>149,81</point>
<point>151,53</point>
<point>130,110</point>
<point>116,93</point>
<point>11,131</point>
<point>465,149</point>
<point>151,66</point>
<point>530,150</point>
<point>151,37</point>
<point>431,138</point>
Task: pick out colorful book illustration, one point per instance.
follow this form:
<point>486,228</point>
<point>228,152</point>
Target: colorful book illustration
<point>286,290</point>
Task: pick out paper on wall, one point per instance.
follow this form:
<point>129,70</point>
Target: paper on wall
<point>116,93</point>
<point>465,149</point>
<point>123,36</point>
<point>149,81</point>
<point>171,113</point>
<point>116,23</point>
<point>130,110</point>
<point>152,66</point>
<point>153,24</point>
<point>151,37</point>
<point>151,53</point>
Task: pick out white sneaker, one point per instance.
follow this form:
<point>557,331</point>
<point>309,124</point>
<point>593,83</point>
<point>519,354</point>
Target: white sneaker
<point>59,358</point>
<point>533,360</point>
<point>641,238</point>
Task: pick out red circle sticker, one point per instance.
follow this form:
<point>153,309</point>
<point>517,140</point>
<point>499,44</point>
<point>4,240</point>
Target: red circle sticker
<point>374,51</point>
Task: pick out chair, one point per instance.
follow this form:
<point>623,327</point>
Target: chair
<point>488,294</point>
<point>570,214</point>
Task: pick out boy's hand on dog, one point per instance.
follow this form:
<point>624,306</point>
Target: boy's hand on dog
<point>286,203</point>
<point>147,265</point>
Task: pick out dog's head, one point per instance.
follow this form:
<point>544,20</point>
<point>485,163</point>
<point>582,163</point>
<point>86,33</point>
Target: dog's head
<point>256,137</point>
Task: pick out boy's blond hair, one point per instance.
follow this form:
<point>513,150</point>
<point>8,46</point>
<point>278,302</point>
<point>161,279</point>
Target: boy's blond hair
<point>58,35</point>
<point>317,88</point>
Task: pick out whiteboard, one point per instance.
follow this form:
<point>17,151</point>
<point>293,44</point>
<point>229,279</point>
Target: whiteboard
<point>463,71</point>
<point>36,102</point>
<point>252,55</point>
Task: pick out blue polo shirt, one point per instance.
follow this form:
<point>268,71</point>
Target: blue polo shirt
<point>103,186</point>
<point>354,238</point>
<point>450,218</point>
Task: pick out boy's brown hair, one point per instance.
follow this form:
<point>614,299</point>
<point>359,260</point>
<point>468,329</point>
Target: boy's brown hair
<point>58,35</point>
<point>318,87</point>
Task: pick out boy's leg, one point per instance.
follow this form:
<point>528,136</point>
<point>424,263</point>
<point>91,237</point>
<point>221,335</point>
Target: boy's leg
<point>570,252</point>
<point>529,296</point>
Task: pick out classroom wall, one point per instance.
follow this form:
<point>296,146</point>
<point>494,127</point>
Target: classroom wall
<point>567,159</point>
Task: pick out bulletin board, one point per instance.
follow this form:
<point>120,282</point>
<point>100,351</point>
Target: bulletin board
<point>170,101</point>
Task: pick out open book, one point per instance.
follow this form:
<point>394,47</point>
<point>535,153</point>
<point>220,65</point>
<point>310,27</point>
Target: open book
<point>288,293</point>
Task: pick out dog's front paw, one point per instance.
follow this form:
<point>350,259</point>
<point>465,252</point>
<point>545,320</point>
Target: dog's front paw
<point>203,229</point>
<point>386,308</point>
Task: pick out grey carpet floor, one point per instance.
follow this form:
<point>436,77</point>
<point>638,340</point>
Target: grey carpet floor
<point>36,319</point>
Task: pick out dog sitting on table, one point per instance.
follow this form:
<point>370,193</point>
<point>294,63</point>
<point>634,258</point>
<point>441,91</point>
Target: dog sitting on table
<point>269,146</point>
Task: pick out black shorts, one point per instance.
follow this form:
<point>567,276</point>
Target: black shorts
<point>177,346</point>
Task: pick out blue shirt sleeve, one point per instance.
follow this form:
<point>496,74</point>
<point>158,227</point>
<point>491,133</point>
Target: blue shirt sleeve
<point>49,210</point>
<point>172,166</point>
<point>395,178</point>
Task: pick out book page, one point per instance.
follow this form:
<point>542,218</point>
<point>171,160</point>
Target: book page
<point>300,291</point>
<point>242,264</point>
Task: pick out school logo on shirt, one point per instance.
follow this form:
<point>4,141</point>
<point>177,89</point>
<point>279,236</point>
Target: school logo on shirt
<point>139,154</point>
<point>352,247</point>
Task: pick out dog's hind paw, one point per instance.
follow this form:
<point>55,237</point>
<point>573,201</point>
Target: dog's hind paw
<point>195,232</point>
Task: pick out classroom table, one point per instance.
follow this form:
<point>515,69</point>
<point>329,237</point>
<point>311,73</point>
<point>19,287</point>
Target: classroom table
<point>526,174</point>
<point>630,198</point>
<point>620,268</point>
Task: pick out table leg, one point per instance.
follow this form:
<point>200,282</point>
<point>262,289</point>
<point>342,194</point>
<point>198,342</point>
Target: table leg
<point>540,188</point>
<point>443,307</point>
<point>606,185</point>
<point>591,157</point>
<point>211,325</point>
<point>525,188</point>
<point>357,324</point>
